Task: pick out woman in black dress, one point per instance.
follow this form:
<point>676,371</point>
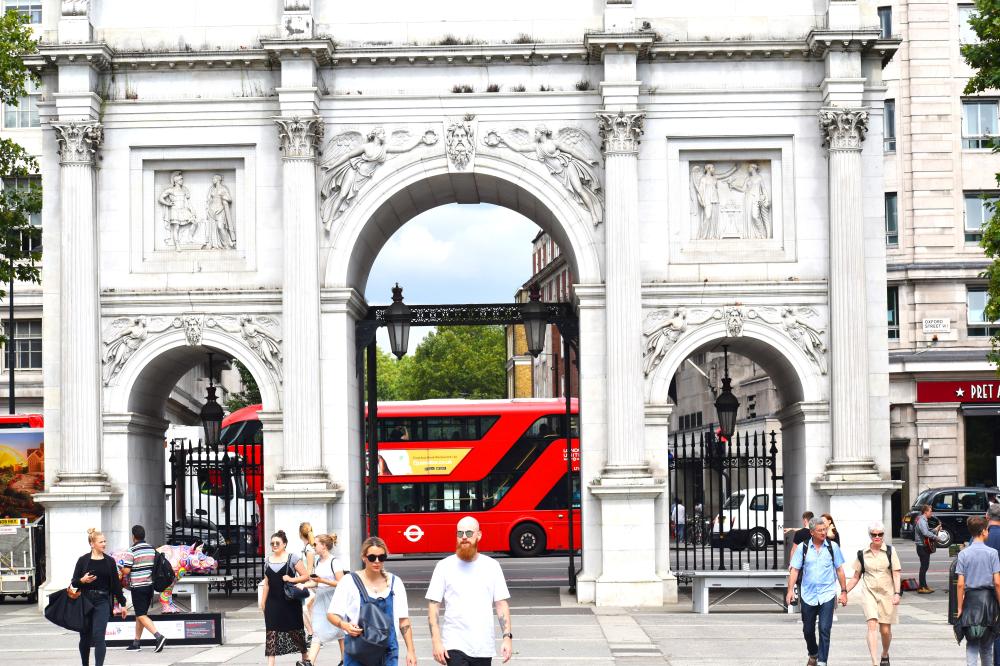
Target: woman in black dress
<point>282,617</point>
<point>96,577</point>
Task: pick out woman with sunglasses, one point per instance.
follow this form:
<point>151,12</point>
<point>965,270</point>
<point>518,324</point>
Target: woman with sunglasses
<point>877,568</point>
<point>284,633</point>
<point>385,590</point>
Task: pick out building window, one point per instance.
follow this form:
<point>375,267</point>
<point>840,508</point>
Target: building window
<point>752,406</point>
<point>30,9</point>
<point>978,326</point>
<point>28,244</point>
<point>885,22</point>
<point>25,112</point>
<point>27,340</point>
<point>979,207</point>
<point>891,219</point>
<point>889,126</point>
<point>979,122</point>
<point>966,35</point>
<point>892,302</point>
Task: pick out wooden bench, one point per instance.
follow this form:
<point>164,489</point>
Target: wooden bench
<point>197,587</point>
<point>703,581</point>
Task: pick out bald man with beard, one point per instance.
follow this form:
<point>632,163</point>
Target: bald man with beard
<point>470,584</point>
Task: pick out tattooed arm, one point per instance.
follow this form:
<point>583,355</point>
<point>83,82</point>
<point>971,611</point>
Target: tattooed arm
<point>440,654</point>
<point>503,615</point>
<point>406,630</point>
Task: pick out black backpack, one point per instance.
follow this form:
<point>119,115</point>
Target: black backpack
<point>888,554</point>
<point>370,647</point>
<point>163,572</point>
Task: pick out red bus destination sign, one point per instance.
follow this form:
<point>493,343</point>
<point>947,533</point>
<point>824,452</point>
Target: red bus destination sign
<point>967,391</point>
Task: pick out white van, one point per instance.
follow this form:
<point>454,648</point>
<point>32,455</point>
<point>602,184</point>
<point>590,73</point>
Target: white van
<point>750,518</point>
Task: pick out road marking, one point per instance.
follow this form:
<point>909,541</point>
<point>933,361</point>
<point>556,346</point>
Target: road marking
<point>217,655</point>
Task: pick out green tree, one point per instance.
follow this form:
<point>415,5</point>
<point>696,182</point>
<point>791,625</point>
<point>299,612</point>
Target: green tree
<point>19,240</point>
<point>456,362</point>
<point>249,393</point>
<point>984,57</point>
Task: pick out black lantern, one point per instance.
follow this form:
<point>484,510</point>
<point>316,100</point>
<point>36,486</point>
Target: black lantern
<point>536,319</point>
<point>727,404</point>
<point>211,412</point>
<point>398,318</point>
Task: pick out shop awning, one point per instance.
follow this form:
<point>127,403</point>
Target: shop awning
<point>981,410</point>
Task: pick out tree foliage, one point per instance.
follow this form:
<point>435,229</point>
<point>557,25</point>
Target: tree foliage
<point>984,57</point>
<point>19,240</point>
<point>249,393</point>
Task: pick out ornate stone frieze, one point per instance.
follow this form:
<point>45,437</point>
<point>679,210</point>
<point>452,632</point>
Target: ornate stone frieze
<point>460,142</point>
<point>731,200</point>
<point>300,137</point>
<point>354,159</point>
<point>843,128</point>
<point>75,7</point>
<point>124,335</point>
<point>569,155</point>
<point>662,328</point>
<point>620,132</point>
<point>78,141</point>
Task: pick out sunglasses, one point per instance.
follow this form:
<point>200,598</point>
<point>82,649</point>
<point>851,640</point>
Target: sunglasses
<point>468,534</point>
<point>381,558</point>
<point>877,535</point>
<point>275,544</point>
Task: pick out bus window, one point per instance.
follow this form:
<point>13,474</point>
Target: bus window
<point>435,428</point>
<point>555,499</point>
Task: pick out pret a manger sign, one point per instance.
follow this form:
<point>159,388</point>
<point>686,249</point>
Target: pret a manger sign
<point>976,390</point>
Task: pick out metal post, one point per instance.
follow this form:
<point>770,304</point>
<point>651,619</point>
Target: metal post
<point>372,440</point>
<point>719,451</point>
<point>10,344</point>
<point>568,434</point>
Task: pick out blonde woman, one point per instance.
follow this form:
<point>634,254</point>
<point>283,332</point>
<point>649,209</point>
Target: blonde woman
<point>309,559</point>
<point>877,567</point>
<point>96,577</point>
<point>385,590</point>
<point>329,571</point>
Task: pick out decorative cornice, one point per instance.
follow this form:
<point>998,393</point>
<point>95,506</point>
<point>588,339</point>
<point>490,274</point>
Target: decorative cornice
<point>620,132</point>
<point>78,141</point>
<point>843,128</point>
<point>598,43</point>
<point>300,137</point>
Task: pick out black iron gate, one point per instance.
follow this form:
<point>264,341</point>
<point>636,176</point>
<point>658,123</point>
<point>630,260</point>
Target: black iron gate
<point>213,498</point>
<point>732,515</point>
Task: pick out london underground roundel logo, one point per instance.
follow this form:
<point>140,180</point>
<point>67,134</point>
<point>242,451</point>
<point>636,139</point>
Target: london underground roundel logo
<point>413,533</point>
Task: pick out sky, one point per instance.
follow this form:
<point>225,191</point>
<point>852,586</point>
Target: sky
<point>459,253</point>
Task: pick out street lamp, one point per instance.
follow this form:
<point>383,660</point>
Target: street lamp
<point>727,404</point>
<point>211,412</point>
<point>536,319</point>
<point>397,319</point>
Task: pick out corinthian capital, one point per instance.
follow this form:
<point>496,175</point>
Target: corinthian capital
<point>843,129</point>
<point>620,131</point>
<point>300,137</point>
<point>78,141</point>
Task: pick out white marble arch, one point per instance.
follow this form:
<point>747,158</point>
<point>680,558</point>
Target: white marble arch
<point>805,414</point>
<point>134,424</point>
<point>407,186</point>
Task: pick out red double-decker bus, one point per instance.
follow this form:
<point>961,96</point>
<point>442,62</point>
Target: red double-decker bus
<point>501,461</point>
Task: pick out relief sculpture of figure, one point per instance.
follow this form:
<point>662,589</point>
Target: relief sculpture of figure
<point>705,194</point>
<point>121,345</point>
<point>220,213</point>
<point>354,162</point>
<point>265,345</point>
<point>756,204</point>
<point>569,156</point>
<point>661,330</point>
<point>178,212</point>
<point>805,336</point>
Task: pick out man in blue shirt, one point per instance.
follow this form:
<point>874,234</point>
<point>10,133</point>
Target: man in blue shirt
<point>820,564</point>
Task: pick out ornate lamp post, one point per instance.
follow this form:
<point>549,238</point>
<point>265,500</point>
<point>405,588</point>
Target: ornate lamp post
<point>398,318</point>
<point>727,404</point>
<point>211,412</point>
<point>536,319</point>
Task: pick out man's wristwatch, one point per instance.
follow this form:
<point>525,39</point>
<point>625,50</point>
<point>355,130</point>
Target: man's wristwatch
<point>509,635</point>
<point>843,590</point>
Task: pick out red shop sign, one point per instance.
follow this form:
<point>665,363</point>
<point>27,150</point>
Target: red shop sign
<point>976,390</point>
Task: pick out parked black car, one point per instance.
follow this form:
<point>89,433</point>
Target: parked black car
<point>952,506</point>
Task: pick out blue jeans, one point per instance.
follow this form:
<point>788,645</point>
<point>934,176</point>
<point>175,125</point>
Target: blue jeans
<point>996,651</point>
<point>92,635</point>
<point>825,614</point>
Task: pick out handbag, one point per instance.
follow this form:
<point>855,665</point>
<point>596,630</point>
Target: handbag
<point>292,591</point>
<point>370,647</point>
<point>68,612</point>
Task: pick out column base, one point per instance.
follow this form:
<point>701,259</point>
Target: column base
<point>303,479</point>
<point>81,482</point>
<point>628,539</point>
<point>851,471</point>
<point>856,503</point>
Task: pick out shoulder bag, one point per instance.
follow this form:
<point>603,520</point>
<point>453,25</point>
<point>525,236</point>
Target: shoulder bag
<point>292,591</point>
<point>370,647</point>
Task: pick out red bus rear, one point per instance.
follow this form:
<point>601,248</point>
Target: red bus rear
<point>501,461</point>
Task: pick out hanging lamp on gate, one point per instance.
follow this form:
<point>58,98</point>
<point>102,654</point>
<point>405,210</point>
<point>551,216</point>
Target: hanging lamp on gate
<point>397,318</point>
<point>536,320</point>
<point>727,404</point>
<point>211,412</point>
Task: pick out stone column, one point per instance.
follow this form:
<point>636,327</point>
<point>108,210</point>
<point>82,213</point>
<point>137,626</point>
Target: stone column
<point>620,133</point>
<point>843,133</point>
<point>80,390</point>
<point>303,462</point>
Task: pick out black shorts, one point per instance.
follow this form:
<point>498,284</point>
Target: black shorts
<point>141,598</point>
<point>459,658</point>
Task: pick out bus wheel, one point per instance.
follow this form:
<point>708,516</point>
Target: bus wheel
<point>527,540</point>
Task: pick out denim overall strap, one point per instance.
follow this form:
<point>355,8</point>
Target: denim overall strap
<point>387,606</point>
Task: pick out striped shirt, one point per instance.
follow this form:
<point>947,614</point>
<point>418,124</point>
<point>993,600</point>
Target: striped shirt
<point>139,559</point>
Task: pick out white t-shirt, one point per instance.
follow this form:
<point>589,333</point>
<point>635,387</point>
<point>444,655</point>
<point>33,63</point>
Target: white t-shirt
<point>469,590</point>
<point>346,600</point>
